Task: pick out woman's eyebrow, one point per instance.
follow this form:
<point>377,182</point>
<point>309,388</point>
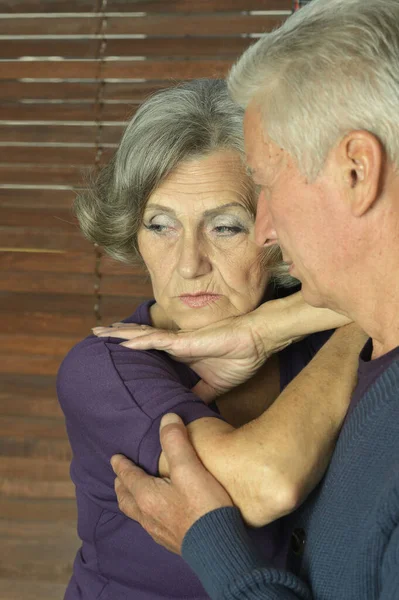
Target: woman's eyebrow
<point>161,207</point>
<point>222,207</point>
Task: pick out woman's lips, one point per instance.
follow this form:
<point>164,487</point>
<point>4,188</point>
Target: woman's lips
<point>199,300</point>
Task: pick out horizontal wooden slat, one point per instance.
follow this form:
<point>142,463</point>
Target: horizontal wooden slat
<point>41,175</point>
<point>42,239</point>
<point>194,24</point>
<point>39,510</point>
<point>65,112</point>
<point>40,6</point>
<point>71,262</point>
<point>15,589</point>
<point>37,386</point>
<point>13,90</point>
<point>85,48</point>
<point>150,6</point>
<point>72,283</point>
<point>17,199</point>
<point>44,345</point>
<point>28,396</point>
<point>37,551</point>
<point>132,92</point>
<point>16,405</point>
<point>24,363</point>
<point>118,69</point>
<point>150,47</point>
<point>52,155</point>
<point>56,220</point>
<point>56,324</point>
<point>33,468</point>
<point>60,316</point>
<point>40,429</point>
<point>58,26</point>
<point>57,449</point>
<point>68,133</point>
<point>22,488</point>
<point>45,312</point>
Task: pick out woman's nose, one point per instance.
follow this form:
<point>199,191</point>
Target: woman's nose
<point>193,260</point>
<point>265,234</point>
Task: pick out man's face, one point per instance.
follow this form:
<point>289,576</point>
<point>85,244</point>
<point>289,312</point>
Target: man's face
<point>306,219</point>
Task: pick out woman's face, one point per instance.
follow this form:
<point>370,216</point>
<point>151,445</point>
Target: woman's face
<point>197,241</point>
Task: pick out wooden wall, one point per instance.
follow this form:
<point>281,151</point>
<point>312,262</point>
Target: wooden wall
<point>71,74</point>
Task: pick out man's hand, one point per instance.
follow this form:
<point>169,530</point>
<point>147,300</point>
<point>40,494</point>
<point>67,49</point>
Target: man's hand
<point>167,508</point>
<point>229,352</point>
<point>224,354</point>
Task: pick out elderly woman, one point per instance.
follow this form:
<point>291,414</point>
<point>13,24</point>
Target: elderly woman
<point>178,196</point>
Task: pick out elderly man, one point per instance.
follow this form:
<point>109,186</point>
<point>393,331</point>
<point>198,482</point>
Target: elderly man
<point>322,139</point>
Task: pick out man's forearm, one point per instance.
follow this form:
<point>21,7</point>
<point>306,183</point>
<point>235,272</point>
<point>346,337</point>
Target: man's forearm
<point>288,319</point>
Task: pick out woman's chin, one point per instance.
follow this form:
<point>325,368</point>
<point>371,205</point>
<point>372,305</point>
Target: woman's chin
<point>198,318</point>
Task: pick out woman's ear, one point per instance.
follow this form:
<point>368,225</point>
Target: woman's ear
<point>363,159</point>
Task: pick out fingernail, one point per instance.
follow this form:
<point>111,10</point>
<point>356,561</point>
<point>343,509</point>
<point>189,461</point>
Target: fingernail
<point>168,419</point>
<point>115,459</point>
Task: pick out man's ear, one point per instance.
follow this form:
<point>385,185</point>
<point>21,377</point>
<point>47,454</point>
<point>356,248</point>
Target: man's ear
<point>362,157</point>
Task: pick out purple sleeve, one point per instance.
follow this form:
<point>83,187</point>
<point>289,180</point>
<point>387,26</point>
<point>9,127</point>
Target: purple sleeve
<point>113,399</point>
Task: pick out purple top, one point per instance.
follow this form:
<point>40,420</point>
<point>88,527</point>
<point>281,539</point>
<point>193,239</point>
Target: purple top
<point>113,399</point>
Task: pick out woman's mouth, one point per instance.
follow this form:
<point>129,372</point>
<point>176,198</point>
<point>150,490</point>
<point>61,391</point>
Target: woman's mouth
<point>199,300</point>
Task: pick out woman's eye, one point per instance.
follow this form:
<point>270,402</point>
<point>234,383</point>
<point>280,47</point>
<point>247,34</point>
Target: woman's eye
<point>161,225</point>
<point>228,230</point>
<point>155,227</point>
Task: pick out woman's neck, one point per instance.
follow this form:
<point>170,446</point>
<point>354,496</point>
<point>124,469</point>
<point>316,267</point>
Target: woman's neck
<point>159,318</point>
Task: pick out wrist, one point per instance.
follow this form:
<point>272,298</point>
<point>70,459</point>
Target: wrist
<point>280,321</point>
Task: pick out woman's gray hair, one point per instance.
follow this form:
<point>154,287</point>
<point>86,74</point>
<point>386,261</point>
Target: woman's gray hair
<point>189,121</point>
<point>333,67</point>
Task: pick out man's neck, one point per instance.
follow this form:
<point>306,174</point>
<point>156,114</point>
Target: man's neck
<point>378,316</point>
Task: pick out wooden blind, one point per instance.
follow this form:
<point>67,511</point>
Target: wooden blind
<point>71,74</point>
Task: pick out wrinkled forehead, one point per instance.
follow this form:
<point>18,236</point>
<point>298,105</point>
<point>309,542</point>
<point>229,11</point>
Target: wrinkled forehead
<point>262,154</point>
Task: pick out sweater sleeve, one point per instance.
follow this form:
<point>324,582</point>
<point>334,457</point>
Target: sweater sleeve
<point>113,399</point>
<point>390,566</point>
<point>219,550</point>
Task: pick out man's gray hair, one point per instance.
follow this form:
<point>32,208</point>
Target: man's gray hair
<point>188,121</point>
<point>333,67</point>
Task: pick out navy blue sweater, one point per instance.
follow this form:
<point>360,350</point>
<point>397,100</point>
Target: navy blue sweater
<point>345,538</point>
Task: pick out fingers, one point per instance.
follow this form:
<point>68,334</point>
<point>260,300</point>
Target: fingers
<point>126,501</point>
<point>131,476</point>
<point>176,445</point>
<point>123,330</point>
<point>154,340</point>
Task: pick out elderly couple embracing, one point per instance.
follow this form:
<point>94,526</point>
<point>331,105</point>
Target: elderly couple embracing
<point>253,404</point>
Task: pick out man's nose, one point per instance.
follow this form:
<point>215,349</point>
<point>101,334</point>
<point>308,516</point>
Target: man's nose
<point>193,260</point>
<point>265,234</point>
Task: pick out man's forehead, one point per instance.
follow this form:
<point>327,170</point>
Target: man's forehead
<point>261,152</point>
<point>253,136</point>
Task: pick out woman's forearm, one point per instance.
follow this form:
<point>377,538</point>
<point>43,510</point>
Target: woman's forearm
<point>271,464</point>
<point>250,399</point>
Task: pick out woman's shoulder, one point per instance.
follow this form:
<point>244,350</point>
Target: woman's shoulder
<point>96,360</point>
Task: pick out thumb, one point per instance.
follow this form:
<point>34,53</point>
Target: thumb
<point>175,443</point>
